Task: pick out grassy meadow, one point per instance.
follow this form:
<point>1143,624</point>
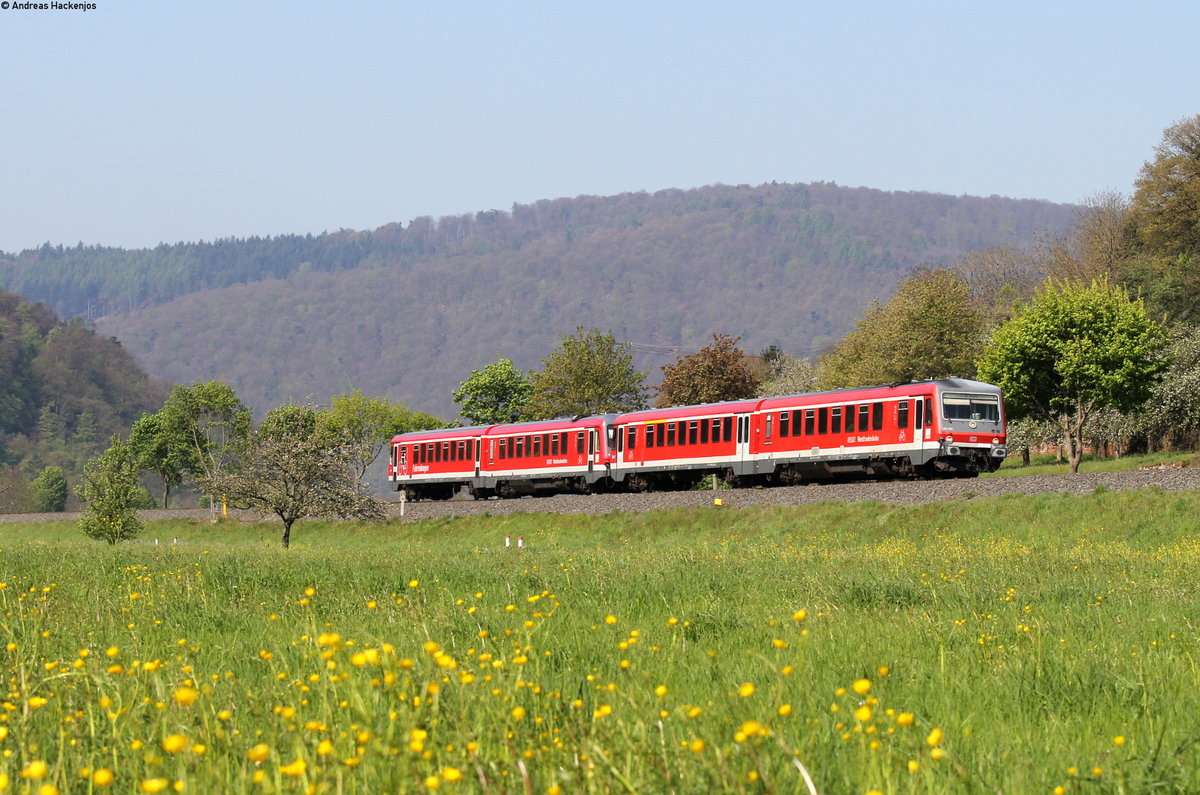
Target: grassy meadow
<point>1021,645</point>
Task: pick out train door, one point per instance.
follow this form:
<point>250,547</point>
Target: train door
<point>402,460</point>
<point>743,437</point>
<point>592,447</point>
<point>921,422</point>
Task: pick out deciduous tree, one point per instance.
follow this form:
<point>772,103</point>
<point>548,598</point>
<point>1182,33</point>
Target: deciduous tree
<point>1166,199</point>
<point>292,467</point>
<point>497,393</point>
<point>718,371</point>
<point>112,495</point>
<point>367,423</point>
<point>212,418</point>
<point>589,373</point>
<point>930,328</point>
<point>163,445</point>
<point>1076,348</point>
<point>49,490</point>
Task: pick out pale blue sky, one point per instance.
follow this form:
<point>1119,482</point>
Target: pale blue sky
<point>147,121</point>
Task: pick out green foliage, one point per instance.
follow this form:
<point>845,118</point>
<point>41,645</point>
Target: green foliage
<point>930,328</point>
<point>589,373</point>
<point>1075,349</point>
<point>294,465</point>
<point>162,445</point>
<point>63,388</point>
<point>1166,202</point>
<point>212,420</point>
<point>1172,413</point>
<point>498,393</point>
<point>367,423</point>
<point>718,371</point>
<point>112,495</point>
<point>49,490</point>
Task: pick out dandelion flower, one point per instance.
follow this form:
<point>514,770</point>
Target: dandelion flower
<point>862,686</point>
<point>296,768</point>
<point>1118,741</point>
<point>934,738</point>
<point>103,777</point>
<point>186,696</point>
<point>746,689</point>
<point>259,753</point>
<point>174,743</point>
<point>35,770</point>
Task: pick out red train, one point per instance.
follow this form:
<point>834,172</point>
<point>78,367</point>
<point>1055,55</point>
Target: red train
<point>946,428</point>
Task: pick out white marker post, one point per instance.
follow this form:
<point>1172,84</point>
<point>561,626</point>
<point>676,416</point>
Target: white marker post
<point>403,499</point>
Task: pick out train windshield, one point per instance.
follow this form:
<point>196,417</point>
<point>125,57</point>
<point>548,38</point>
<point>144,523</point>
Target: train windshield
<point>964,406</point>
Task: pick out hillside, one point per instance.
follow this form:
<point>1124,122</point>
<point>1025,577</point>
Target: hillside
<point>406,312</point>
<point>64,390</point>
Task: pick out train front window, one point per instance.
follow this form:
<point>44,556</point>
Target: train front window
<point>965,406</point>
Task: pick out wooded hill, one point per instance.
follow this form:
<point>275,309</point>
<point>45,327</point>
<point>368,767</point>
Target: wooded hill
<point>406,312</point>
<point>64,390</point>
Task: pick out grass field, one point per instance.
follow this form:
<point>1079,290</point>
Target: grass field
<point>1022,645</point>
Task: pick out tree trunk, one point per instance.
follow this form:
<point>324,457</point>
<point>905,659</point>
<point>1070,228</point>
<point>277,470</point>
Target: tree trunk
<point>166,493</point>
<point>287,532</point>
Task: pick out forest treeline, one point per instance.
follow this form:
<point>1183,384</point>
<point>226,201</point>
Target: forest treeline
<point>792,225</point>
<point>793,265</point>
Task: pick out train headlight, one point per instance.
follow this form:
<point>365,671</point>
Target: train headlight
<point>996,440</point>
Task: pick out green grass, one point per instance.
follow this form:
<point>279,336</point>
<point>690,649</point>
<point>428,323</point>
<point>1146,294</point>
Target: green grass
<point>630,652</point>
<point>1046,464</point>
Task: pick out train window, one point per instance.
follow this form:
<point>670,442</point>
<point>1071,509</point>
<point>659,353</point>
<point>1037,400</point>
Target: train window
<point>562,443</point>
<point>519,447</point>
<point>864,417</point>
<point>902,414</point>
<point>579,443</point>
<point>823,420</point>
<point>727,430</point>
<point>835,420</point>
<point>716,430</point>
<point>631,438</point>
<point>768,424</point>
<point>545,444</point>
<point>849,419</point>
<point>670,434</point>
<point>963,406</point>
<point>693,430</point>
<point>651,440</point>
<point>537,446</point>
<point>810,425</point>
<point>784,425</point>
<point>445,451</point>
<point>877,416</point>
<point>704,425</point>
<point>919,418</point>
<point>797,422</point>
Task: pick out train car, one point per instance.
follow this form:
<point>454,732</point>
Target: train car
<point>944,428</point>
<point>511,460</point>
<point>948,427</point>
<point>553,457</point>
<point>674,447</point>
<point>435,464</point>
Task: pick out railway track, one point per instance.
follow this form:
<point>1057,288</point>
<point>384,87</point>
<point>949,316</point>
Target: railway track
<point>898,492</point>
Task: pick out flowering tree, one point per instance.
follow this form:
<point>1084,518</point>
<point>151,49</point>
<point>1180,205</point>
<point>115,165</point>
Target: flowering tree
<point>294,467</point>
